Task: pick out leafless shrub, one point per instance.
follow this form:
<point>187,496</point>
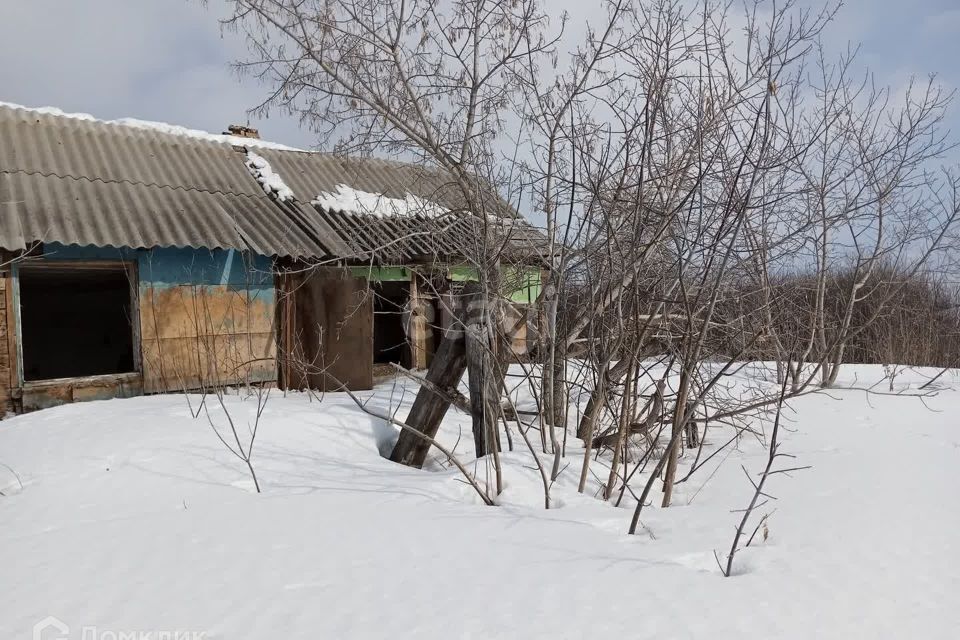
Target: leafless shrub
<point>759,497</point>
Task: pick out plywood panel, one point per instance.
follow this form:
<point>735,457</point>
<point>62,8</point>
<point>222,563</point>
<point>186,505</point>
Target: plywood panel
<point>196,310</point>
<point>193,336</point>
<point>176,364</point>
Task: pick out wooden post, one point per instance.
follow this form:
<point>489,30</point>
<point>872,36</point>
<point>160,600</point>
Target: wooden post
<point>484,385</point>
<point>429,407</point>
<point>287,289</point>
<point>465,347</point>
<point>10,378</point>
<point>483,373</point>
<point>419,347</point>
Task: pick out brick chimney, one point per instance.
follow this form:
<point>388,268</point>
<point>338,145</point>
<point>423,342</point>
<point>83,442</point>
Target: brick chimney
<point>241,131</point>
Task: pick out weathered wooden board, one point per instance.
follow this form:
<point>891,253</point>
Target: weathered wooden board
<point>50,393</point>
<point>326,330</point>
<point>420,333</point>
<point>193,336</point>
<point>429,407</point>
<point>197,310</point>
<point>191,363</point>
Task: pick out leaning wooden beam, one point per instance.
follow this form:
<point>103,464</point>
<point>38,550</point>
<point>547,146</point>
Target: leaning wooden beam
<point>407,429</point>
<point>430,407</point>
<point>452,394</point>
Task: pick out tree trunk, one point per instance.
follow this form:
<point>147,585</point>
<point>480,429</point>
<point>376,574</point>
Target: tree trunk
<point>484,382</point>
<point>588,424</point>
<point>553,399</point>
<point>679,421</point>
<point>626,418</point>
<point>692,432</point>
<point>589,420</point>
<point>595,403</point>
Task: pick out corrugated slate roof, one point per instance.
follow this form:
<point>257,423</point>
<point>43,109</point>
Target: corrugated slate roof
<point>310,174</point>
<point>403,237</point>
<point>415,237</point>
<point>88,182</point>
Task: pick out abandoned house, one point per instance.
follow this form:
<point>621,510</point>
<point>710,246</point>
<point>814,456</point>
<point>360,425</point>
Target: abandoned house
<point>144,258</point>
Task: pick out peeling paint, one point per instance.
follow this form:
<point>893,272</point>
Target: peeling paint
<point>205,316</point>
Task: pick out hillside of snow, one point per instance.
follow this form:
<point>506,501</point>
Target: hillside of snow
<point>130,516</point>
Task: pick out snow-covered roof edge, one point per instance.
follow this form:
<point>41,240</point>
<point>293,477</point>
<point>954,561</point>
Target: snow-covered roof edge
<point>349,200</point>
<point>270,180</point>
<point>161,127</point>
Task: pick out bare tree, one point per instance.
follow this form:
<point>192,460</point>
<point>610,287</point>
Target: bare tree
<point>704,180</point>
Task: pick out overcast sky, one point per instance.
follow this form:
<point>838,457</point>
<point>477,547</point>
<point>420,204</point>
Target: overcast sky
<point>167,60</point>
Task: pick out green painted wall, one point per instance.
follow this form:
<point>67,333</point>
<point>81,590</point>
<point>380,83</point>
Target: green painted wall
<point>521,284</point>
<point>524,284</point>
<point>382,274</point>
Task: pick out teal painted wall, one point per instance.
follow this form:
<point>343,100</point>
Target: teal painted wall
<point>163,267</point>
<point>236,291</point>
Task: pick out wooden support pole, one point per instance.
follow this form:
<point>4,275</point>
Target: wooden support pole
<point>484,382</point>
<point>429,407</point>
<point>465,347</point>
<point>419,346</point>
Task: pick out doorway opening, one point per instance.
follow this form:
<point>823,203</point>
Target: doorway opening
<point>390,315</point>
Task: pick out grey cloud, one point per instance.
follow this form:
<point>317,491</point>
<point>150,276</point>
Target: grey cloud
<point>151,59</point>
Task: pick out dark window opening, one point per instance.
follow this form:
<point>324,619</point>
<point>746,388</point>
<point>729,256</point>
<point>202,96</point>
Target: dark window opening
<point>438,299</point>
<point>75,322</point>
<point>435,327</point>
<point>389,322</point>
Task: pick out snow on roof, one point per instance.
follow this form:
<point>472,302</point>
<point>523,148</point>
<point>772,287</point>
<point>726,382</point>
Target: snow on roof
<point>350,200</point>
<point>161,127</point>
<point>271,181</point>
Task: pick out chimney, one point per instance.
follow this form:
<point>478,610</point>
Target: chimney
<point>241,131</point>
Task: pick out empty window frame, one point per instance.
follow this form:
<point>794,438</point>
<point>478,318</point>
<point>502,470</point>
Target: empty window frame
<point>77,320</point>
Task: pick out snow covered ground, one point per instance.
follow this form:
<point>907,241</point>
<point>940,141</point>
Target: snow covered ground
<point>134,518</point>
